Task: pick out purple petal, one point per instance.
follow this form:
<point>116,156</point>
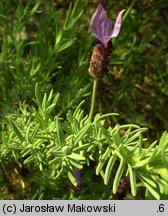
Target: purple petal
<point>78,176</point>
<point>117,24</point>
<point>106,31</point>
<point>107,26</point>
<point>97,19</point>
<point>100,25</point>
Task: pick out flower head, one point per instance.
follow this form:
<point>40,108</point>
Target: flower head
<point>101,25</point>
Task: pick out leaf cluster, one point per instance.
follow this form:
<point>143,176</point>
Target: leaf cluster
<point>59,146</point>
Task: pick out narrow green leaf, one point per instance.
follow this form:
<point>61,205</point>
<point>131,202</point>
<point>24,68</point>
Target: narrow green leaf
<point>140,143</point>
<point>102,160</point>
<point>75,156</point>
<point>39,156</point>
<point>91,148</point>
<point>26,152</point>
<point>50,108</point>
<point>58,153</point>
<point>68,15</point>
<point>163,144</point>
<point>17,131</point>
<point>72,178</point>
<point>80,148</point>
<point>132,176</point>
<point>57,171</point>
<point>74,8</point>
<point>76,164</point>
<point>49,97</point>
<point>60,134</point>
<point>39,118</point>
<point>65,45</point>
<point>128,131</point>
<point>118,175</point>
<point>83,122</point>
<point>129,126</point>
<point>118,140</point>
<point>79,115</point>
<point>56,99</point>
<point>152,191</point>
<point>16,157</point>
<point>102,117</point>
<point>148,150</point>
<point>27,136</point>
<point>109,168</point>
<point>37,95</point>
<point>135,134</point>
<point>44,102</point>
<point>78,108</point>
<point>81,134</point>
<point>141,163</point>
<point>29,160</point>
<point>164,140</point>
<point>147,179</point>
<point>58,38</point>
<point>34,9</point>
<point>73,21</point>
<point>153,155</point>
<point>56,160</point>
<point>40,166</point>
<point>34,132</point>
<point>34,69</point>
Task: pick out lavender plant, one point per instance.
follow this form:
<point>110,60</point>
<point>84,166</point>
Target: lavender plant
<point>58,146</point>
<point>54,147</point>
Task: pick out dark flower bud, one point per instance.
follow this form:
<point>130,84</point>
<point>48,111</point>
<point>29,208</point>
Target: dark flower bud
<point>99,61</point>
<point>123,188</point>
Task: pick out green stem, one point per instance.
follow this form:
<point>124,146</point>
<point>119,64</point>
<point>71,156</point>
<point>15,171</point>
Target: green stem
<point>93,98</point>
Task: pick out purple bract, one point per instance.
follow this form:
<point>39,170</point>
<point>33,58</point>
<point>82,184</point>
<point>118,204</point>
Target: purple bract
<point>101,25</point>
